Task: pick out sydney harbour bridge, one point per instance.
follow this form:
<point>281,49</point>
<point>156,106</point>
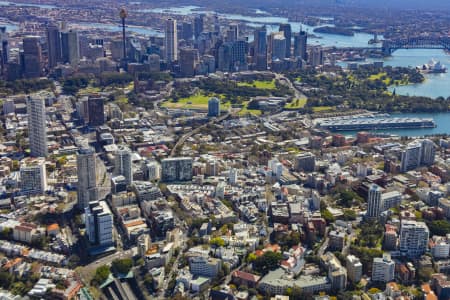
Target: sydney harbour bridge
<point>389,46</point>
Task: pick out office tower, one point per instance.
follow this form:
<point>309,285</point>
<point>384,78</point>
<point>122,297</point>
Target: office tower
<point>33,177</point>
<point>287,32</point>
<point>317,57</point>
<point>216,24</point>
<point>70,47</point>
<point>260,40</point>
<point>410,157</point>
<point>176,169</point>
<point>96,109</point>
<point>87,183</point>
<point>99,223</point>
<point>186,31</point>
<point>198,25</point>
<point>374,202</point>
<point>171,40</point>
<point>37,127</point>
<point>154,62</point>
<point>53,46</point>
<point>4,49</point>
<point>300,45</point>
<point>188,61</point>
<point>278,46</point>
<point>32,57</point>
<point>260,46</point>
<point>210,63</point>
<point>123,164</point>
<point>152,171</point>
<point>213,107</point>
<point>233,176</point>
<point>135,50</point>
<point>428,152</point>
<point>116,48</point>
<point>354,268</point>
<point>413,238</point>
<point>224,57</point>
<point>383,269</point>
<point>239,51</point>
<point>305,162</point>
<point>232,33</point>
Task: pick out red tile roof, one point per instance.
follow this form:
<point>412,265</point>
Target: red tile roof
<point>246,276</point>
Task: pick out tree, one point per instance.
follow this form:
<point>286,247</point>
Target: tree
<point>267,262</point>
<point>290,240</point>
<point>6,233</point>
<point>122,266</point>
<point>217,242</point>
<point>439,227</point>
<point>349,215</point>
<point>101,274</point>
<point>328,216</point>
<point>19,288</point>
<point>251,257</point>
<point>5,280</point>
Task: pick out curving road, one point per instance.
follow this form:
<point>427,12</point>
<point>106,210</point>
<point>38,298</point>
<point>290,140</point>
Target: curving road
<point>183,139</point>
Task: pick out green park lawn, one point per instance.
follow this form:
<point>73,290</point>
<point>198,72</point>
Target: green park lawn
<point>296,104</point>
<point>245,111</point>
<point>197,101</point>
<point>323,108</point>
<point>259,84</point>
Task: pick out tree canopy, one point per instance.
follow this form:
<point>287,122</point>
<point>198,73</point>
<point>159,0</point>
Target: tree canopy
<point>122,266</point>
<point>268,261</point>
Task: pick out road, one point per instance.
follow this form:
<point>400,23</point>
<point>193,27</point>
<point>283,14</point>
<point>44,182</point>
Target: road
<point>89,269</point>
<point>284,80</point>
<point>183,139</point>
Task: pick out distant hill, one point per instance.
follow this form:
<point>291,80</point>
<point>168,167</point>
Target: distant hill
<point>403,4</point>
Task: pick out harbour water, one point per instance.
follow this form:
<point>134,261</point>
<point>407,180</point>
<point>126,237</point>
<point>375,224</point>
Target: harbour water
<point>272,23</point>
<point>435,85</point>
<point>7,3</point>
<point>116,27</point>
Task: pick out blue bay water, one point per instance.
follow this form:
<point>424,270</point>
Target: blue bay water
<point>434,86</point>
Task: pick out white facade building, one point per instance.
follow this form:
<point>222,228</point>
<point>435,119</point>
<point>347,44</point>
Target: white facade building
<point>33,177</point>
<point>354,268</point>
<point>123,164</point>
<point>171,40</point>
<point>383,269</point>
<point>413,238</point>
<point>37,128</point>
<point>374,202</point>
